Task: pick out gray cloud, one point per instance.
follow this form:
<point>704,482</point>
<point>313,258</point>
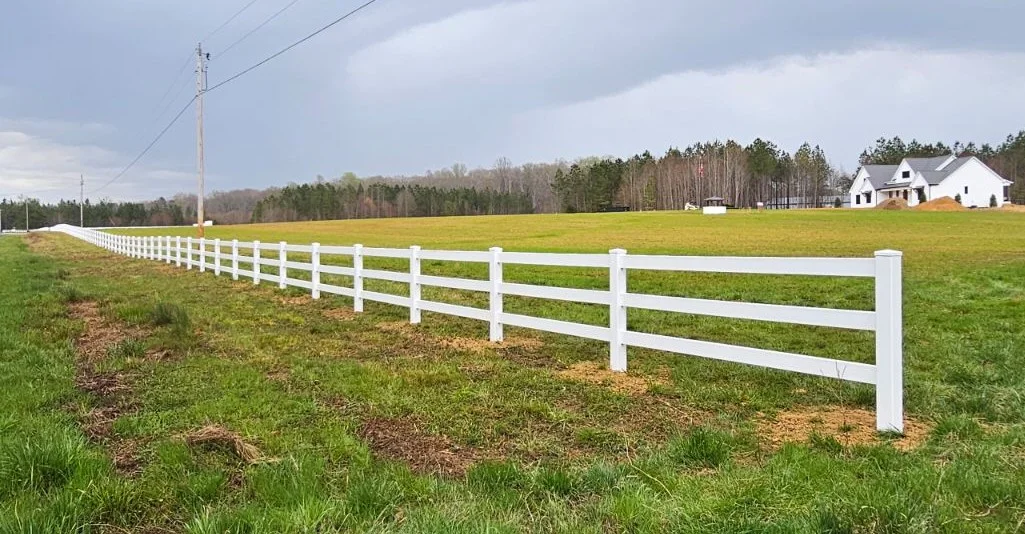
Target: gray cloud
<point>408,85</point>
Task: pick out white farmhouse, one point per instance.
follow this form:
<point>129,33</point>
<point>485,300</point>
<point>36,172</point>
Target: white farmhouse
<point>943,176</point>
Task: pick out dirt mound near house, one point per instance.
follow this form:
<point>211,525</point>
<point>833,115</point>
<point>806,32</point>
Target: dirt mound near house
<point>941,204</point>
<point>893,204</point>
<point>1013,207</point>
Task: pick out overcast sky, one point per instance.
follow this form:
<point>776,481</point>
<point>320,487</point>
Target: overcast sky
<point>411,85</point>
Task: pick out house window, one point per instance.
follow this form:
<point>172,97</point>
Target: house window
<point>857,200</point>
<point>1007,193</point>
<point>966,189</point>
<point>905,194</point>
<point>905,174</point>
<point>868,197</point>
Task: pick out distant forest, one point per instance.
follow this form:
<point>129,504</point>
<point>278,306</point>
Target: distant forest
<point>741,175</point>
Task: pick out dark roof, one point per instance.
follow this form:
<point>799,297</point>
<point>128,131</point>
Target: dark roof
<point>926,164</point>
<point>880,174</point>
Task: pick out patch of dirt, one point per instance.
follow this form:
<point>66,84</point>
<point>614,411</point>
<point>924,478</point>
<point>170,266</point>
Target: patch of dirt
<point>849,426</point>
<point>295,301</point>
<point>481,345</point>
<point>405,440</point>
<point>401,327</point>
<point>279,375</point>
<point>941,204</point>
<point>599,374</point>
<point>893,204</point>
<point>218,436</point>
<point>99,333</point>
<point>111,392</point>
<point>340,314</point>
<point>160,355</point>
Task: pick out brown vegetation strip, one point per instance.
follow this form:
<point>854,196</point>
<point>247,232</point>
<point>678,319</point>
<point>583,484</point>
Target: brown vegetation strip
<point>111,392</point>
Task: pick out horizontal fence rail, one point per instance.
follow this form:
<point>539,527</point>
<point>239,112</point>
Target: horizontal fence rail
<point>243,260</point>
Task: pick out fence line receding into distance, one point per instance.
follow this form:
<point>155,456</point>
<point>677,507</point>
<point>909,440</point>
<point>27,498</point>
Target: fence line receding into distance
<point>885,321</point>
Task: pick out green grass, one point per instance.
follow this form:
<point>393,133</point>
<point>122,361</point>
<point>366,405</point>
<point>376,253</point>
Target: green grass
<point>543,453</point>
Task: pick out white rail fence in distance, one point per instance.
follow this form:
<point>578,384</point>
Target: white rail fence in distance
<point>885,321</point>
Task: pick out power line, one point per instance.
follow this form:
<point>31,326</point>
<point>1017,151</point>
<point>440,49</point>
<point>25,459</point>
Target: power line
<point>225,23</point>
<point>256,29</point>
<point>148,147</point>
<point>224,82</point>
<point>174,82</point>
<point>291,46</point>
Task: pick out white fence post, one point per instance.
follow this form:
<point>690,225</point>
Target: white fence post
<point>495,298</point>
<point>315,271</point>
<point>178,251</point>
<point>256,263</point>
<point>357,278</point>
<point>889,342</point>
<point>414,284</point>
<point>282,270</point>
<point>168,258</point>
<point>217,257</point>
<point>202,254</point>
<point>234,259</point>
<point>617,311</point>
<point>152,248</point>
<point>188,251</point>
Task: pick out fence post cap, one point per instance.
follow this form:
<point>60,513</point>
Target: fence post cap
<point>889,252</point>
<point>617,251</point>
<point>495,249</point>
<point>414,247</point>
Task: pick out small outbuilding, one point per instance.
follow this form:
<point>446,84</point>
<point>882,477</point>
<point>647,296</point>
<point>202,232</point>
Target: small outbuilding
<point>714,206</point>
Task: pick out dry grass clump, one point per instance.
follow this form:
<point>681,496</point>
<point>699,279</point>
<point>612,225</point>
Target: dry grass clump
<point>218,436</point>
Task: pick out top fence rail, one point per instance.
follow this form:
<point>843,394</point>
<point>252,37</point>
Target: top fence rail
<point>886,373</point>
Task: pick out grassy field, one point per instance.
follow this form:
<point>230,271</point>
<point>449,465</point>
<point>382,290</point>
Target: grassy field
<point>138,397</point>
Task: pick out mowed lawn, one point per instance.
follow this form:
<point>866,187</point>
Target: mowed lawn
<point>316,419</point>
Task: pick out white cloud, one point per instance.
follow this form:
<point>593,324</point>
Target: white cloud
<point>841,101</point>
<point>41,167</point>
<point>55,127</point>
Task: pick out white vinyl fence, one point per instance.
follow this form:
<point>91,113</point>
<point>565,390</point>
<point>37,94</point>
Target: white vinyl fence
<point>886,321</point>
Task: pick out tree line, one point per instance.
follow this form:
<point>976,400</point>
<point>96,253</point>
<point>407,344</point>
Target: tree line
<point>760,172</point>
<point>350,199</point>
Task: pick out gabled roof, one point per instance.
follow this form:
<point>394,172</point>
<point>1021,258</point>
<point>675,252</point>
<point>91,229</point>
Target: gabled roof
<point>879,174</point>
<point>927,164</point>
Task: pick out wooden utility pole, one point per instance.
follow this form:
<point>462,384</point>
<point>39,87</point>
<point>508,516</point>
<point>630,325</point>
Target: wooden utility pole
<point>200,89</point>
<point>81,201</point>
